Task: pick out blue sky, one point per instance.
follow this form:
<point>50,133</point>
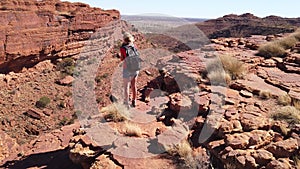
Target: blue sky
<point>200,9</point>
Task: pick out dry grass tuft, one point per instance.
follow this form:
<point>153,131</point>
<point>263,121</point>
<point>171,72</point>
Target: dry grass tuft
<point>284,100</point>
<point>115,112</point>
<point>264,94</point>
<point>296,159</point>
<point>185,153</point>
<point>284,130</point>
<point>235,68</point>
<point>131,129</point>
<point>277,48</point>
<point>296,104</point>
<point>289,114</point>
<point>287,42</point>
<point>271,49</point>
<point>219,78</point>
<point>296,34</point>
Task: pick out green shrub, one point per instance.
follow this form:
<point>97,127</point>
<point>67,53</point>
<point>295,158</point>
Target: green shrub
<point>67,66</point>
<point>43,102</point>
<point>271,50</point>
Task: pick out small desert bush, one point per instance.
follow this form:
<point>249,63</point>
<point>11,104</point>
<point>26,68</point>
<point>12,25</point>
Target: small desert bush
<point>131,129</point>
<point>271,49</point>
<point>265,94</point>
<point>289,114</point>
<point>42,102</point>
<point>284,100</point>
<point>115,112</point>
<point>219,77</point>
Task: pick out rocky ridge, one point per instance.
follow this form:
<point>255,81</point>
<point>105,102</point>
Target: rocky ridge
<point>33,31</point>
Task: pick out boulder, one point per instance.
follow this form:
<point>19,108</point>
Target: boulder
<point>66,80</point>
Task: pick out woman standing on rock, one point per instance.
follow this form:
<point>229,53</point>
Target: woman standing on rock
<point>131,68</point>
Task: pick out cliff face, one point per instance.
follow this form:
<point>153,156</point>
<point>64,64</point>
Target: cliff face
<point>246,25</point>
<point>35,30</point>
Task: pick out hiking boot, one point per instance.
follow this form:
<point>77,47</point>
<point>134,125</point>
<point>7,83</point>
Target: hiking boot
<point>133,103</point>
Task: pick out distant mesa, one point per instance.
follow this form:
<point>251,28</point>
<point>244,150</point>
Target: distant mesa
<point>247,24</point>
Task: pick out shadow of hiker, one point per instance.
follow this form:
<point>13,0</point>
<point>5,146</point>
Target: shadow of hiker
<point>51,160</point>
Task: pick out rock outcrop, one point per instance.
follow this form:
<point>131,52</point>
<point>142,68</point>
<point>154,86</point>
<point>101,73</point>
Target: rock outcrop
<point>32,31</point>
<point>247,25</point>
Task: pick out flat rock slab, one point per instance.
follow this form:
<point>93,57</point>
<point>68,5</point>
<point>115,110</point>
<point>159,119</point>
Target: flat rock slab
<point>159,161</point>
<point>256,84</point>
<point>290,81</point>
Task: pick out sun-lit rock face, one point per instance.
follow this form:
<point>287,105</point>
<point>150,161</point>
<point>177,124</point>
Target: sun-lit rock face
<point>35,30</point>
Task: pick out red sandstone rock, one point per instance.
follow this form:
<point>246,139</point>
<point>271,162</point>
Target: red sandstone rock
<point>283,149</point>
<point>281,163</point>
<point>33,113</point>
<point>179,102</point>
<point>8,149</point>
<point>37,30</point>
<point>262,157</point>
<point>66,81</point>
<point>103,161</point>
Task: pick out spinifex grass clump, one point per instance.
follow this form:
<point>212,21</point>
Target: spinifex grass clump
<point>184,151</point>
<point>225,68</point>
<point>289,114</point>
<point>271,49</point>
<point>284,100</point>
<point>278,48</point>
<point>131,129</point>
<point>115,112</point>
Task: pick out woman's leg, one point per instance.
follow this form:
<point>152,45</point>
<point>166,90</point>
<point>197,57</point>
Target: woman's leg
<point>126,90</point>
<point>134,90</point>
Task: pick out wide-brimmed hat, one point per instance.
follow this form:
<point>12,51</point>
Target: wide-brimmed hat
<point>128,37</point>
